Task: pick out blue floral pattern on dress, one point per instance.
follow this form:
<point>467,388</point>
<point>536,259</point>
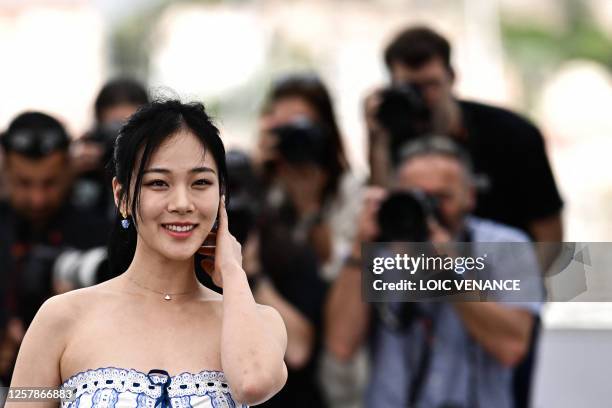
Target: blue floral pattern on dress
<point>105,398</point>
<point>112,387</point>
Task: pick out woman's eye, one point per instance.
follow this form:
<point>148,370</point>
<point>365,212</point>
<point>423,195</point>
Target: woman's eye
<point>156,183</point>
<point>202,182</point>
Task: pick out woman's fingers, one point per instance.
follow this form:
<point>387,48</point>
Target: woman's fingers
<point>222,215</point>
<point>227,248</point>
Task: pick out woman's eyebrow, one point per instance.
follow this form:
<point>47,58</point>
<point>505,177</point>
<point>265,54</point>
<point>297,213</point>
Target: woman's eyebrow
<point>156,170</point>
<point>166,171</point>
<point>202,169</point>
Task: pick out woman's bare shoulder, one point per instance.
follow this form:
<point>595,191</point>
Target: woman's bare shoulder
<point>48,336</point>
<point>67,307</point>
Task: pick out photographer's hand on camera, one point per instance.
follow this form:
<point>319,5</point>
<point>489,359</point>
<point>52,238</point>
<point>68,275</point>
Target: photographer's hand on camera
<point>438,234</point>
<point>378,140</point>
<point>367,225</point>
<point>266,151</point>
<point>375,129</point>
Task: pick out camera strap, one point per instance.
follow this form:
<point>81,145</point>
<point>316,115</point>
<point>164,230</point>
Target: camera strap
<point>473,358</point>
<point>418,379</point>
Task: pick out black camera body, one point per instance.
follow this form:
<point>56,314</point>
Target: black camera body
<point>303,141</point>
<point>404,114</point>
<point>404,216</point>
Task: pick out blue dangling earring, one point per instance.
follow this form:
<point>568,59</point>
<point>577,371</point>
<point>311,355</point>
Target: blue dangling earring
<point>125,223</point>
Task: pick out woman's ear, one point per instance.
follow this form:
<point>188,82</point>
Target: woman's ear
<point>117,194</point>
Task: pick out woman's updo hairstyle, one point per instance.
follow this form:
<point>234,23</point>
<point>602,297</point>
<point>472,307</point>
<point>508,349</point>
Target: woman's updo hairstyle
<point>138,140</point>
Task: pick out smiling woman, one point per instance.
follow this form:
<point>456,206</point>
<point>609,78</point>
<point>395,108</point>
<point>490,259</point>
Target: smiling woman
<point>118,342</point>
<point>179,193</point>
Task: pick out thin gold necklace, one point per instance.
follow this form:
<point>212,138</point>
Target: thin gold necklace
<point>167,296</point>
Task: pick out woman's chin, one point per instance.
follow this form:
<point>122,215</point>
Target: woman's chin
<point>180,258</point>
<point>180,254</point>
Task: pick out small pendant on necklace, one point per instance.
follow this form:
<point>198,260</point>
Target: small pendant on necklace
<point>167,297</point>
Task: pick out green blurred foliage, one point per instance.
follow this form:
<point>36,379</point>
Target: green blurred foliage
<point>539,50</point>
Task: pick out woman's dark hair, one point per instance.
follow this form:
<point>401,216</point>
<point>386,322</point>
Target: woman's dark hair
<point>310,88</point>
<point>138,140</point>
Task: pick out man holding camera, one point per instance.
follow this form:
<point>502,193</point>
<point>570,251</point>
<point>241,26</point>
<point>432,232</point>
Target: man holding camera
<point>448,354</point>
<point>36,221</point>
<point>116,101</point>
<point>515,183</point>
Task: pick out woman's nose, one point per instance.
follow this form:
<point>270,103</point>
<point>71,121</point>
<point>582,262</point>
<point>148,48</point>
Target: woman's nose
<point>180,201</point>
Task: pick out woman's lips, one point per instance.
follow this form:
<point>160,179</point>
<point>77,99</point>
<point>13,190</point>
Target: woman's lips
<point>180,231</point>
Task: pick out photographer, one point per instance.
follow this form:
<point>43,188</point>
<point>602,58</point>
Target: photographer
<point>515,182</point>
<point>308,221</point>
<point>37,224</point>
<point>439,354</point>
<point>306,168</point>
<point>116,101</point>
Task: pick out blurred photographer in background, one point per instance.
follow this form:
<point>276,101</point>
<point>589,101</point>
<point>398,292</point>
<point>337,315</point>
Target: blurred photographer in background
<point>117,100</point>
<point>37,223</point>
<point>432,354</point>
<point>514,179</point>
<point>307,222</point>
<point>307,170</point>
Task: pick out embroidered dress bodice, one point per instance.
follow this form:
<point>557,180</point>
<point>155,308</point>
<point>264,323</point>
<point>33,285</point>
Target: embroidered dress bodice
<point>122,388</point>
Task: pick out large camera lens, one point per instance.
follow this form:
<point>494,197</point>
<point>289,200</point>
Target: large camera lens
<point>403,217</point>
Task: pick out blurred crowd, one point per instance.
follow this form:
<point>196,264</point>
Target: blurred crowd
<point>442,169</point>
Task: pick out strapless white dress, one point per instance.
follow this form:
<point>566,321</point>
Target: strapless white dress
<point>112,387</point>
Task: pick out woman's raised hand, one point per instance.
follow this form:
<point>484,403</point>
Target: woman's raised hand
<point>226,252</point>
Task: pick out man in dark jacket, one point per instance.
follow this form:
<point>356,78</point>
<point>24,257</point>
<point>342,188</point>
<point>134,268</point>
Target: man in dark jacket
<point>36,222</point>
